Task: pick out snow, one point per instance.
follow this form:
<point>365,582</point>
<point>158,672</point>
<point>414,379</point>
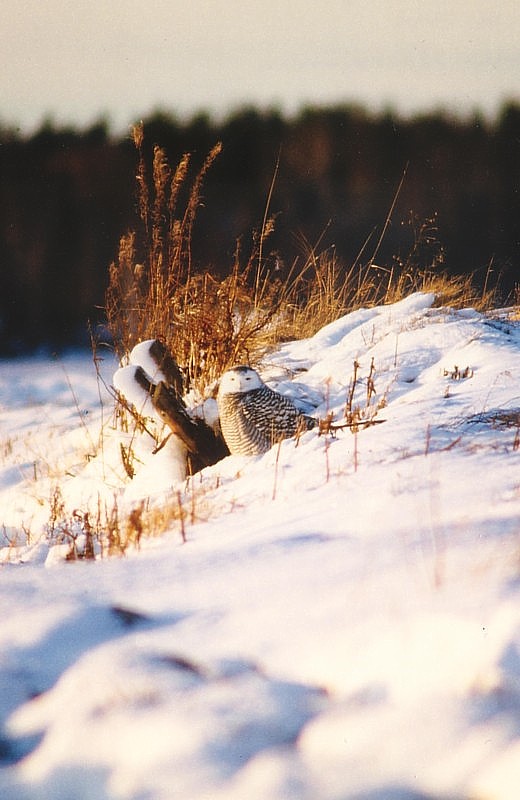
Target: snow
<point>343,619</point>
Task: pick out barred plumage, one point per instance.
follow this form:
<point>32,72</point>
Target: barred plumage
<point>252,416</point>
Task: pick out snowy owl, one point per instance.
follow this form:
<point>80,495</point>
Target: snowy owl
<point>252,416</point>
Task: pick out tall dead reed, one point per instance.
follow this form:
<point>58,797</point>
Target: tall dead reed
<point>208,322</point>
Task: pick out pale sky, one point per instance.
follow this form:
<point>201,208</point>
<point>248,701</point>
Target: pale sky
<point>77,60</point>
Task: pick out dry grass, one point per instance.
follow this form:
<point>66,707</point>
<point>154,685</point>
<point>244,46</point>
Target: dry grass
<point>211,322</point>
<point>108,530</point>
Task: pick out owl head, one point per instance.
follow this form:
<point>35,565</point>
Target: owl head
<point>238,380</point>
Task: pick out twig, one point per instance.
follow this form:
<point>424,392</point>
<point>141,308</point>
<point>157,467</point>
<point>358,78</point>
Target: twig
<point>273,496</point>
<point>266,214</point>
<point>389,215</point>
<point>78,409</point>
<point>352,389</point>
<point>181,517</point>
<point>360,423</point>
<point>327,463</point>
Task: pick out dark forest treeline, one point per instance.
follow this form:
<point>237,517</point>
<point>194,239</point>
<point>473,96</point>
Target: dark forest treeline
<point>68,195</point>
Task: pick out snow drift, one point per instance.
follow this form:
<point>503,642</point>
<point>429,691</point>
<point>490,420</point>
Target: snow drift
<point>343,620</point>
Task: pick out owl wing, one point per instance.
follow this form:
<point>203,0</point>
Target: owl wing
<point>270,411</point>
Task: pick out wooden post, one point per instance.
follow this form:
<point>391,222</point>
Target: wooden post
<point>204,446</point>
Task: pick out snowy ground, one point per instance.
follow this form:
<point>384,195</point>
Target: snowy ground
<point>343,620</point>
